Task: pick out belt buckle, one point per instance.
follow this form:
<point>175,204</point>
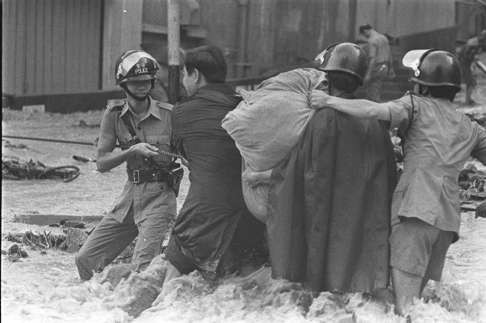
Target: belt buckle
<point>136,176</point>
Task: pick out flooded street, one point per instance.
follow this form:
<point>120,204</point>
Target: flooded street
<point>46,287</point>
<point>283,80</point>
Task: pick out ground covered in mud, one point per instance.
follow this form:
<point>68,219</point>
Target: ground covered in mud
<point>44,287</point>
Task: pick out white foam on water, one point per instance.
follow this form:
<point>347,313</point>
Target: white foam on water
<point>45,288</point>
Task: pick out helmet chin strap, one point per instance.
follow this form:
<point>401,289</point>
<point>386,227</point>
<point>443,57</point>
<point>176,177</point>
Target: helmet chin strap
<point>138,98</point>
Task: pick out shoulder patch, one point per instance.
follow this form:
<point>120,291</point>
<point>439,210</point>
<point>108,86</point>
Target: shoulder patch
<point>115,105</point>
<point>165,105</point>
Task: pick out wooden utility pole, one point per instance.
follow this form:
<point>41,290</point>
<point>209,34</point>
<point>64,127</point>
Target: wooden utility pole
<point>173,35</point>
<point>353,7</point>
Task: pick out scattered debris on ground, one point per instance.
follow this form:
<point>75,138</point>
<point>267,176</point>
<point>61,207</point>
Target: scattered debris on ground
<point>70,224</point>
<point>477,114</point>
<point>35,240</point>
<point>83,159</point>
<point>71,239</point>
<point>17,169</point>
<point>15,252</point>
<point>481,210</point>
<point>58,220</point>
<point>84,124</point>
<point>472,183</point>
<point>8,144</point>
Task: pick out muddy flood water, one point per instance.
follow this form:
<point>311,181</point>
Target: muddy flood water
<point>46,288</point>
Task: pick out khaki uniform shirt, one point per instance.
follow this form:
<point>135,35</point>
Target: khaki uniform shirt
<point>155,128</point>
<point>438,141</point>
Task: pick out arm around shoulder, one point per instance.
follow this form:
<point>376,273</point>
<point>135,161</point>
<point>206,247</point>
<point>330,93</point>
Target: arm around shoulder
<point>356,107</point>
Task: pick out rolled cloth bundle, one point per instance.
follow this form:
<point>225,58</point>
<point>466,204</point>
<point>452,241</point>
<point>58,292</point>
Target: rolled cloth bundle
<point>266,125</point>
<point>255,186</point>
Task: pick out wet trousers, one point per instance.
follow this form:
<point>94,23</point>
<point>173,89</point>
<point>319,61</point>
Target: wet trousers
<point>110,238</point>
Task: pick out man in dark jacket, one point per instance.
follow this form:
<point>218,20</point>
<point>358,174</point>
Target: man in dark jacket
<point>214,227</point>
<point>329,212</point>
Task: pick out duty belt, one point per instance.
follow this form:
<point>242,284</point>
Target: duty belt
<point>138,176</point>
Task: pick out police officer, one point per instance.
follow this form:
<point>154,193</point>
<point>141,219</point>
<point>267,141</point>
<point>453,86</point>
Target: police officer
<point>438,141</point>
<point>142,127</point>
<point>318,235</point>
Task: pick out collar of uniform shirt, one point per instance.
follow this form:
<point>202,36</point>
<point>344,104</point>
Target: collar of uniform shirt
<point>153,110</point>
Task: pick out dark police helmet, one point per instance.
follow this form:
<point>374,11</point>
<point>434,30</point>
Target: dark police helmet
<point>434,67</point>
<point>344,57</point>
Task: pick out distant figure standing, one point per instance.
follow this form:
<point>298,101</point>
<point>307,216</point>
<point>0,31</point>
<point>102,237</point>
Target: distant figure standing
<point>380,61</point>
<point>467,55</point>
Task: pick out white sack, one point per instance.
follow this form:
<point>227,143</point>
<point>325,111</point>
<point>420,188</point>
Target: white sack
<point>267,124</point>
<point>255,191</point>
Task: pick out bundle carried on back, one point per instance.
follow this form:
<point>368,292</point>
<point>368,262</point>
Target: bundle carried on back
<point>255,187</point>
<point>266,125</point>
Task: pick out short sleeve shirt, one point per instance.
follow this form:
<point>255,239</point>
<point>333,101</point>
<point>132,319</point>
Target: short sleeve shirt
<point>438,141</point>
<point>154,128</point>
<point>379,48</point>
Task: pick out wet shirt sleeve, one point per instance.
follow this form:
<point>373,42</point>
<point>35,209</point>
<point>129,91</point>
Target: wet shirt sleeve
<point>401,113</point>
<point>479,150</point>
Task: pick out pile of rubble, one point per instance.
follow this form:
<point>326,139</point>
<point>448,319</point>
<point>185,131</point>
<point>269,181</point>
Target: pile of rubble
<point>71,239</point>
<point>15,168</point>
<point>472,183</point>
<point>477,114</point>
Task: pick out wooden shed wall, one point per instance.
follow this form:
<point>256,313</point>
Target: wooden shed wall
<point>286,32</point>
<point>51,46</point>
<point>470,18</point>
<point>406,17</point>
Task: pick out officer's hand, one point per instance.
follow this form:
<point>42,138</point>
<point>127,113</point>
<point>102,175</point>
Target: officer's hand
<point>144,149</point>
<point>319,99</point>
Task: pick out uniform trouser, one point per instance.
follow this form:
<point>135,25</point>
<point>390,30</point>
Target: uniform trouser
<point>110,238</point>
<point>419,248</point>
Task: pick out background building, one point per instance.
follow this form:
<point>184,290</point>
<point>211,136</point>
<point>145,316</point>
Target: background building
<point>61,52</point>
